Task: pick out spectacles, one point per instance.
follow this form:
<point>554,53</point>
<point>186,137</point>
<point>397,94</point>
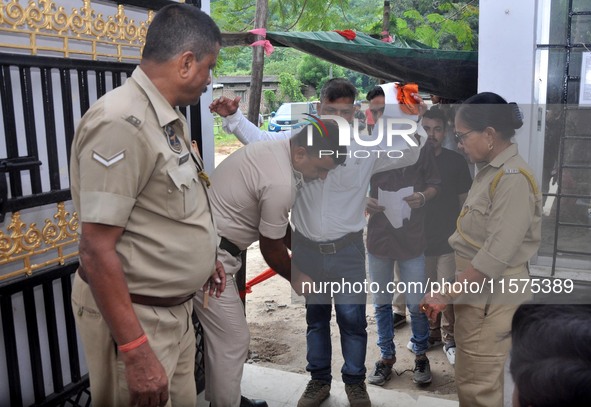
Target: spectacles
<point>377,112</point>
<point>461,136</point>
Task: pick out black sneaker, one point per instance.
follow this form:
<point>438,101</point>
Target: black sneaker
<point>357,395</point>
<point>399,320</point>
<point>316,392</point>
<point>246,402</point>
<point>422,372</point>
<point>382,372</point>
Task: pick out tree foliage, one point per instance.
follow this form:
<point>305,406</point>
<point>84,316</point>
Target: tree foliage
<point>270,98</point>
<point>442,24</point>
<point>313,71</point>
<point>445,24</point>
<point>290,88</point>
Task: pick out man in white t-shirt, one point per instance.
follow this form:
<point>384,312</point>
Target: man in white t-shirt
<point>328,217</point>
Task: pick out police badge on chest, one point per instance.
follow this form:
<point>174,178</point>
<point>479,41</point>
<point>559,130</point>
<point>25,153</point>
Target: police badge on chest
<point>173,141</point>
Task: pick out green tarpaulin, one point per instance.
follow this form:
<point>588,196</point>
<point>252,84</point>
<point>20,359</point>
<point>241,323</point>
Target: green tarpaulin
<point>450,74</point>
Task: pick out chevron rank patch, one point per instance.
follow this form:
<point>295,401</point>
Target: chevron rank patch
<point>108,161</point>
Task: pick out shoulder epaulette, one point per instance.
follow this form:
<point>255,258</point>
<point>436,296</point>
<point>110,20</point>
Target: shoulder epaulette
<point>530,178</point>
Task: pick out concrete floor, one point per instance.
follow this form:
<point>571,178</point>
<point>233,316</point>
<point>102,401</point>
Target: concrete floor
<point>283,389</point>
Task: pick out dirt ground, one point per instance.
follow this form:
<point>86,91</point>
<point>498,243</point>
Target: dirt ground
<point>277,322</point>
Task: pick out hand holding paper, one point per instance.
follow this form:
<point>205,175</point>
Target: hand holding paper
<point>396,209</point>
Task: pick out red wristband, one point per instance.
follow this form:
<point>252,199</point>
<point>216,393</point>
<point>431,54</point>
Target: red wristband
<point>136,343</point>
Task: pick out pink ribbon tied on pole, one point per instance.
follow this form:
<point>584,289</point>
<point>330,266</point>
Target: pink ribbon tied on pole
<point>266,44</point>
<point>386,37</point>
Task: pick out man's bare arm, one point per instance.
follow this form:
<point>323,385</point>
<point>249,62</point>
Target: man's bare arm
<point>275,253</point>
<point>101,269</point>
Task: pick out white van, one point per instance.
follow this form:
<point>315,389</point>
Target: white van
<point>291,115</point>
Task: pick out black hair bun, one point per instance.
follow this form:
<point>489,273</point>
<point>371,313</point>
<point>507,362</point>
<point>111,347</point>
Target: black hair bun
<point>516,116</point>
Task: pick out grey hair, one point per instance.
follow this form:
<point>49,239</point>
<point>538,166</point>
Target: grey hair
<point>177,28</point>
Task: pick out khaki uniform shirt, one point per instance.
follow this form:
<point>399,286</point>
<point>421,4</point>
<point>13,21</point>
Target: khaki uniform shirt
<point>131,167</point>
<point>253,191</point>
<point>507,225</point>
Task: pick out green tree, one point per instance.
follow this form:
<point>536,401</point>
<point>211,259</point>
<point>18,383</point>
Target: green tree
<point>270,98</point>
<point>283,60</point>
<point>448,25</point>
<point>314,71</point>
<point>290,88</point>
<point>442,24</point>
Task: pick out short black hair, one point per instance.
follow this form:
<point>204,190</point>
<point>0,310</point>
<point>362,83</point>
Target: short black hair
<point>551,355</point>
<point>337,88</point>
<point>328,141</point>
<point>487,109</point>
<point>375,92</point>
<point>435,113</point>
<point>177,28</point>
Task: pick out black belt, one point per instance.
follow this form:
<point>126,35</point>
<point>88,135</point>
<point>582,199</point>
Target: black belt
<point>230,247</point>
<point>329,247</point>
<point>147,299</point>
<point>158,301</point>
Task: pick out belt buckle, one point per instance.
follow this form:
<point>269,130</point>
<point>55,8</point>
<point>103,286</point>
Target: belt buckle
<point>327,248</point>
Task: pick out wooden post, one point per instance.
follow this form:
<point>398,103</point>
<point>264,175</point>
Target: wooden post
<point>258,64</point>
<point>386,18</point>
<point>385,25</point>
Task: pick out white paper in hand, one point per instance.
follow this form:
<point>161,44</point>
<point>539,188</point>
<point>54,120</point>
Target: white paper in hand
<point>396,209</point>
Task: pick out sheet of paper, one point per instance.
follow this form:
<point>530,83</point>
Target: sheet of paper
<point>396,209</point>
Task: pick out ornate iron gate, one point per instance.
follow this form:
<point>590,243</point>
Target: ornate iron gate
<point>42,98</point>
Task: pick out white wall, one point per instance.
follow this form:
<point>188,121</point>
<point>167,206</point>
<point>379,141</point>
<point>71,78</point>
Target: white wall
<point>506,60</point>
<point>206,117</point>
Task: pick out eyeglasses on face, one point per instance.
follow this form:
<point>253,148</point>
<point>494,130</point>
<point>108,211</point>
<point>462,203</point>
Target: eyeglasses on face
<point>461,136</point>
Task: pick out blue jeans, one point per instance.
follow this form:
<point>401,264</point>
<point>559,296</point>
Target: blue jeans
<point>381,271</point>
<point>347,265</point>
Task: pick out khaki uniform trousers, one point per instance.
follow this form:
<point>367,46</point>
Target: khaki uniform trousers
<point>226,338</point>
<point>170,334</point>
<point>482,334</point>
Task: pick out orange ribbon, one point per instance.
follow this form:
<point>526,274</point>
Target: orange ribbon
<point>407,102</point>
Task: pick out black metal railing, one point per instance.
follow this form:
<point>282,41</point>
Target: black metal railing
<point>48,339</point>
<point>569,84</point>
<point>29,71</point>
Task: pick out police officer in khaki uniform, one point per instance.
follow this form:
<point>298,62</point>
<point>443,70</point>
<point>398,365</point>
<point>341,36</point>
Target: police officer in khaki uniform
<point>147,240</point>
<point>255,206</point>
<point>499,230</point>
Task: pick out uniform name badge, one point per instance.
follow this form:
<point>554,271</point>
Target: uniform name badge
<point>184,158</point>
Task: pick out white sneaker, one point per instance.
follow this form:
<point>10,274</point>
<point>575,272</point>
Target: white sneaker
<point>432,344</point>
<point>451,354</point>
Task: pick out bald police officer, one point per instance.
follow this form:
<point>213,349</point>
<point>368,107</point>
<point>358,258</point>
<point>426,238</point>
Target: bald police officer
<point>147,236</point>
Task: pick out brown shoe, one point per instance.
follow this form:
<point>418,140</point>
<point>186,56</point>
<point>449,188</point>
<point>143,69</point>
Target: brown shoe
<point>316,392</point>
<point>357,395</point>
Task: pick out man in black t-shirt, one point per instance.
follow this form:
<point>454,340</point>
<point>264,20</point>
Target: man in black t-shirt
<point>440,221</point>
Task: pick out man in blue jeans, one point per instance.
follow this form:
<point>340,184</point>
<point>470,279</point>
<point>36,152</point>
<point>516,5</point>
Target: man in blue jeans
<point>402,240</point>
<point>328,218</point>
